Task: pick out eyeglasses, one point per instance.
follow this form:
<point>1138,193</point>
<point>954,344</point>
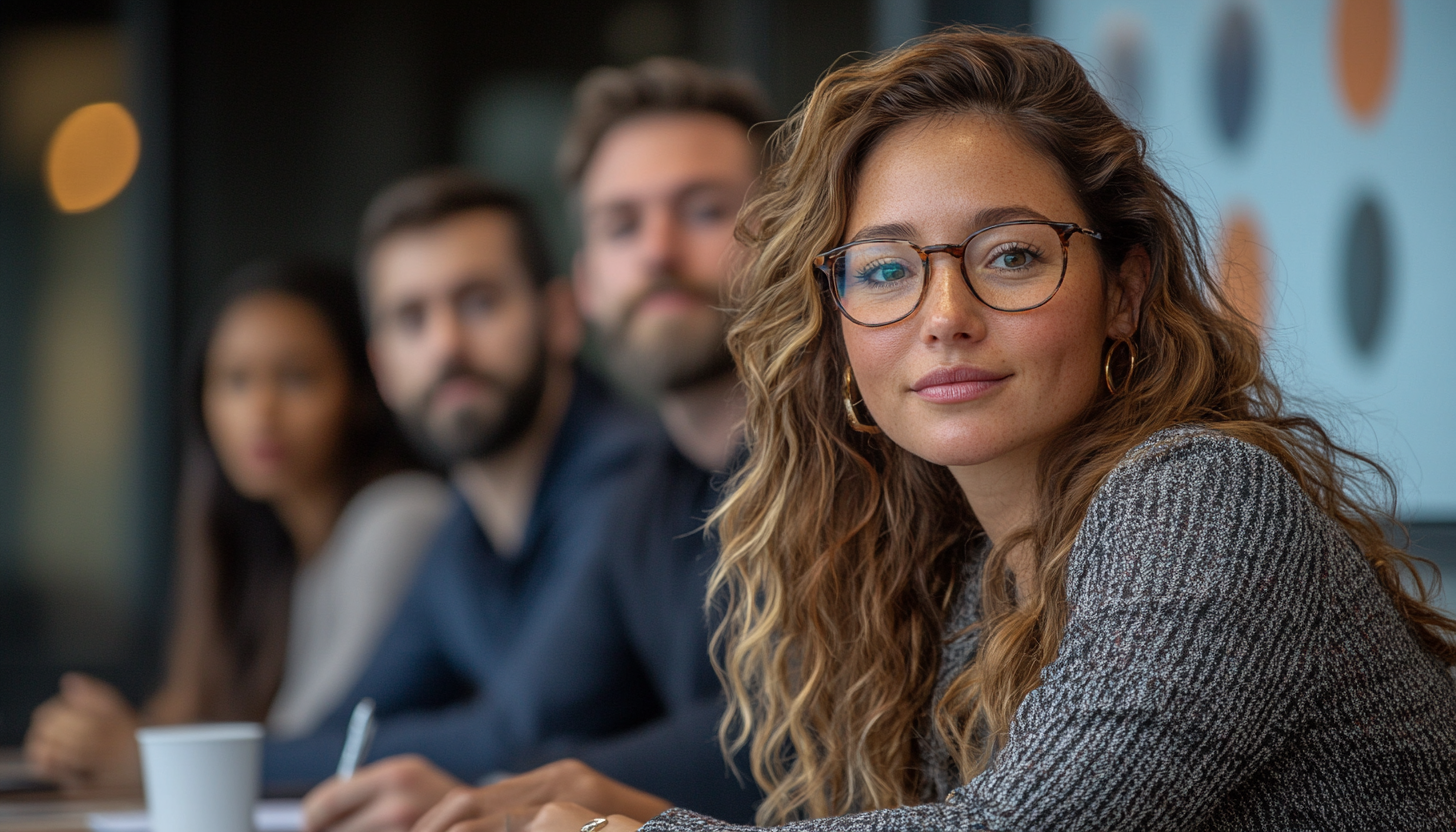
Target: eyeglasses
<point>1010,267</point>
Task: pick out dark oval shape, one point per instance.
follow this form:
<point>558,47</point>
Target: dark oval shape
<point>1368,274</point>
<point>1235,73</point>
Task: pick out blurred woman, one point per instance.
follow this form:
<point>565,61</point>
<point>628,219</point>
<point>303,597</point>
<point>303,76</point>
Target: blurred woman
<point>1026,539</point>
<point>299,525</point>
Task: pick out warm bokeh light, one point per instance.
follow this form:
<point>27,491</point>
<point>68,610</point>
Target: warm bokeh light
<point>92,157</point>
<point>1243,266</point>
<point>1366,53</point>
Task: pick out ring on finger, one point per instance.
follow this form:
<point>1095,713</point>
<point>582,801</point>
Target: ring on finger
<point>594,824</point>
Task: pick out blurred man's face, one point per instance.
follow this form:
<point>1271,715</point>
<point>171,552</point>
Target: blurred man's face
<point>658,200</point>
<point>458,338</point>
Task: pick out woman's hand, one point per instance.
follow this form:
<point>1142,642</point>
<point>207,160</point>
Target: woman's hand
<point>569,817</point>
<point>543,799</point>
<point>553,817</point>
<point>85,736</point>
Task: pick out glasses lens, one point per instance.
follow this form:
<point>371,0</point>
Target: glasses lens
<point>1014,267</point>
<point>878,282</point>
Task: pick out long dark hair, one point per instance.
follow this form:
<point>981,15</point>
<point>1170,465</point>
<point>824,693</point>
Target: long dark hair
<point>236,560</point>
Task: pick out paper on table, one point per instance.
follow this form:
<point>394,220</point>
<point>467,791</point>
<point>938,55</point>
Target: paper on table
<point>269,816</point>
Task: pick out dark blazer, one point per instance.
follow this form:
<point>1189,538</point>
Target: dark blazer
<point>656,572</point>
<point>486,657</point>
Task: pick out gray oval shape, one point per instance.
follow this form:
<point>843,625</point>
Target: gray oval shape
<point>1368,274</point>
<point>1126,73</point>
<point>1235,73</point>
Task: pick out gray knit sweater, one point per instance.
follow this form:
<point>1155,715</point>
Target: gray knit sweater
<point>1229,663</point>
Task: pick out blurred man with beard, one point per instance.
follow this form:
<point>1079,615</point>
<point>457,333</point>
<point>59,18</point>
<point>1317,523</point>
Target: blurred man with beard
<point>474,346</point>
<point>658,160</point>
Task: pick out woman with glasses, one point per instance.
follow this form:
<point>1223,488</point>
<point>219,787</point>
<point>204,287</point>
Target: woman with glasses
<point>1026,537</point>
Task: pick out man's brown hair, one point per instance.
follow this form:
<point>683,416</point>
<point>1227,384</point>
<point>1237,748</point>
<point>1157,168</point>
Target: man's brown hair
<point>607,96</point>
<point>428,199</point>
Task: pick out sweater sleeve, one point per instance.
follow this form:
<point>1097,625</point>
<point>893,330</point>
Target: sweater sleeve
<point>344,599</point>
<point>1194,615</point>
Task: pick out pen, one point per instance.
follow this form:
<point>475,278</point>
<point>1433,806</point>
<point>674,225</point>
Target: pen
<point>357,739</point>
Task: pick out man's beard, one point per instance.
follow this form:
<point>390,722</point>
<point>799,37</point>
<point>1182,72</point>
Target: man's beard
<point>469,433</point>
<point>680,355</point>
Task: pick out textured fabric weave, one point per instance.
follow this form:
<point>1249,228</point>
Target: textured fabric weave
<point>1230,663</point>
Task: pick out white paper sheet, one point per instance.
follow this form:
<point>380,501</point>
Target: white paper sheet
<point>269,816</point>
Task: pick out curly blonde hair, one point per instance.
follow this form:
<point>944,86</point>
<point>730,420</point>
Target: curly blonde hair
<point>841,551</point>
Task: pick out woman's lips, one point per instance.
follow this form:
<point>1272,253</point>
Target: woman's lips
<point>951,385</point>
<point>268,454</point>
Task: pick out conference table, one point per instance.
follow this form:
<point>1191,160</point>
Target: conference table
<point>57,811</point>
<point>104,810</point>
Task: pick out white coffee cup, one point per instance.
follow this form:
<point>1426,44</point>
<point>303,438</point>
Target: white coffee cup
<point>202,778</point>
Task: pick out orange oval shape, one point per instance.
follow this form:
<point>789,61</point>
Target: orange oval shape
<point>92,156</point>
<point>1366,50</point>
<point>1243,270</point>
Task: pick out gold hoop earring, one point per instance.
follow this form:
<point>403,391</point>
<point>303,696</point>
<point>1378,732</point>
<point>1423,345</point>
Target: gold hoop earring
<point>854,421</point>
<point>1132,356</point>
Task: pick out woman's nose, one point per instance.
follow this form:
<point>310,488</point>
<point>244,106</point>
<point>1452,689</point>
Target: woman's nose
<point>950,312</point>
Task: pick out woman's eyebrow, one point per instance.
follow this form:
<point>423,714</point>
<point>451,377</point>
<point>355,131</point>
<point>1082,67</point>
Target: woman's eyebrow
<point>983,218</point>
<point>1006,213</point>
<point>885,231</point>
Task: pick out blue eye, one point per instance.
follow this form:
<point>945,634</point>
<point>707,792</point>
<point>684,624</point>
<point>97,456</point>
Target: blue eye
<point>889,272</point>
<point>885,271</point>
<point>878,268</point>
